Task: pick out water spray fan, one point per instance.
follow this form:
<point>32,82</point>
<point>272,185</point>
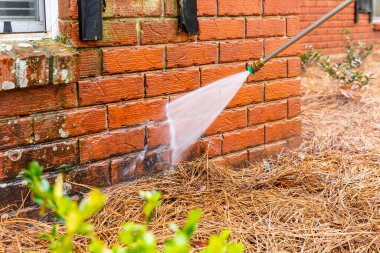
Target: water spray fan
<point>191,115</point>
<point>257,65</point>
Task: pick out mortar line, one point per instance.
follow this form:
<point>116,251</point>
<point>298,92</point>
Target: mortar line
<point>100,62</point>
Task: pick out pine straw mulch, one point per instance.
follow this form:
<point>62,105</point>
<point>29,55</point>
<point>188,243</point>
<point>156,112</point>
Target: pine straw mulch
<point>323,197</point>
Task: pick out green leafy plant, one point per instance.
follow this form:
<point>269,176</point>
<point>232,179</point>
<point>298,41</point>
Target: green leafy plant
<point>134,237</point>
<point>69,212</point>
<point>346,72</point>
<point>356,51</point>
<point>310,56</point>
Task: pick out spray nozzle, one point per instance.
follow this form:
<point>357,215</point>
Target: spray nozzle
<point>255,66</point>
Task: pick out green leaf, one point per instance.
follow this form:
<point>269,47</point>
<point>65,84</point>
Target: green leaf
<point>191,223</point>
<point>152,200</point>
<point>179,244</point>
<point>235,248</point>
<point>92,204</point>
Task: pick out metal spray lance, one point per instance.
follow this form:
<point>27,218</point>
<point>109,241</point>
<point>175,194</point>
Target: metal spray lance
<point>257,65</point>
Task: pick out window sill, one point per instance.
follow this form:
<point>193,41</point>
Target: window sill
<point>25,36</point>
<point>37,63</point>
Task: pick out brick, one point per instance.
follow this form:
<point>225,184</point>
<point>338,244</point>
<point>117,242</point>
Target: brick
<point>221,29</point>
<point>111,89</point>
<point>292,26</point>
<point>233,51</point>
<point>95,175</point>
<point>239,7</point>
<point>15,132</point>
<point>171,82</point>
<point>294,107</point>
<point>171,8</point>
<point>133,8</point>
<point>294,67</point>
<point>272,44</point>
<point>106,145</point>
<point>7,77</point>
<point>274,149</point>
<point>210,74</point>
<point>242,139</point>
<point>294,142</point>
<point>134,59</point>
<point>269,27</point>
<point>234,160</point>
<point>272,70</point>
<point>206,8</point>
<point>31,67</point>
<point>228,120</point>
<point>158,134</point>
<point>50,156</point>
<point>182,55</point>
<point>63,62</point>
<point>14,193</point>
<point>282,89</point>
<point>280,7</point>
<point>115,33</point>
<point>256,154</point>
<point>68,9</point>
<point>136,165</point>
<point>268,151</point>
<point>210,145</point>
<point>248,94</point>
<point>162,31</point>
<point>266,113</point>
<point>282,130</point>
<point>69,124</point>
<point>24,101</point>
<point>89,63</point>
<point>134,113</point>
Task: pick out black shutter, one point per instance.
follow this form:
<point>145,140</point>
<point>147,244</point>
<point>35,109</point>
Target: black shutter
<point>188,16</point>
<point>90,20</point>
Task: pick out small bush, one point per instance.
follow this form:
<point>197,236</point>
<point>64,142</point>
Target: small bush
<point>310,56</point>
<point>134,237</point>
<point>346,73</point>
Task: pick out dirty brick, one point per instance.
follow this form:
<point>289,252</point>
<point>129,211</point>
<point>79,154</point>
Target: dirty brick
<point>24,101</point>
<point>15,132</point>
<point>69,124</point>
<point>50,156</point>
<point>95,175</point>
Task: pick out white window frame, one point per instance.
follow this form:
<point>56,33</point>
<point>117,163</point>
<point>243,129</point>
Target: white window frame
<point>374,17</point>
<point>51,25</point>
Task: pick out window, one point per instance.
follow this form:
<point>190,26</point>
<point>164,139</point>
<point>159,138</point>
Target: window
<point>28,16</point>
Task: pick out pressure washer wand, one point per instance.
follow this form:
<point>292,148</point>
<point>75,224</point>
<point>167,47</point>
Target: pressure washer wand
<point>257,65</point>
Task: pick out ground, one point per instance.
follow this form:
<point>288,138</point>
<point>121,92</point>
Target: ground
<point>322,197</point>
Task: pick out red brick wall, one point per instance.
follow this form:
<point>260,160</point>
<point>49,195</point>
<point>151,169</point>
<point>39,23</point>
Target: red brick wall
<point>329,36</point>
<point>99,125</point>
